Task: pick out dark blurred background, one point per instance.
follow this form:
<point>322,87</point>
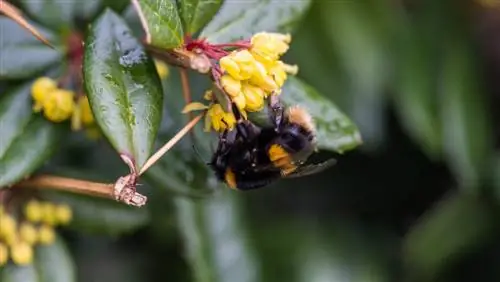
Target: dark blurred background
<point>418,201</point>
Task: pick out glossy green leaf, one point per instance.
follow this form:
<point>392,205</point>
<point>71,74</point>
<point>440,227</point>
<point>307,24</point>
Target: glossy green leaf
<point>457,225</point>
<point>54,263</point>
<point>212,229</point>
<point>123,87</point>
<point>336,131</point>
<point>416,96</point>
<point>468,141</point>
<point>22,54</point>
<point>100,216</point>
<point>241,19</point>
<point>27,140</point>
<point>14,273</point>
<point>195,14</point>
<point>45,11</point>
<point>163,23</point>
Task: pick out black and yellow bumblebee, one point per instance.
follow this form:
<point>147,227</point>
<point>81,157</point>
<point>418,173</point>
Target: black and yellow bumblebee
<point>252,156</point>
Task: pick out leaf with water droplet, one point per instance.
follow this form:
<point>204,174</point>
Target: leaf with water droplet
<point>123,87</point>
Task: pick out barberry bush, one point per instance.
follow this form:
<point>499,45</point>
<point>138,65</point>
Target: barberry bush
<point>91,91</point>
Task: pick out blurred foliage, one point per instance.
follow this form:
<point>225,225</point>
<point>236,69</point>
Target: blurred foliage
<point>416,202</point>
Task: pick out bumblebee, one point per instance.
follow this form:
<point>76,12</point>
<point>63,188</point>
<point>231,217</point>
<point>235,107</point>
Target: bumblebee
<point>252,156</point>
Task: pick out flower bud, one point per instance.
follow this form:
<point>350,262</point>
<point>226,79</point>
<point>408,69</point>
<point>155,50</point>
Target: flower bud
<point>254,97</point>
<point>33,211</point>
<point>63,214</point>
<point>4,254</point>
<point>21,253</point>
<point>230,85</point>
<point>240,64</point>
<point>40,89</point>
<point>27,233</point>
<point>46,235</point>
<point>59,105</point>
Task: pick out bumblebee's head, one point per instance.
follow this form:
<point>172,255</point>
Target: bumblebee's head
<point>297,134</point>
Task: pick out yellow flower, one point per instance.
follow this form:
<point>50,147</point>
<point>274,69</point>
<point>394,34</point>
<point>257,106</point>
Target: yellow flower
<point>86,111</point>
<point>254,97</point>
<point>40,90</point>
<point>48,213</point>
<point>46,235</point>
<point>240,101</point>
<point>277,72</point>
<point>4,254</point>
<point>239,64</point>
<point>268,47</point>
<point>63,214</point>
<point>162,69</point>
<point>27,233</point>
<point>33,211</point>
<point>262,79</point>
<point>21,253</point>
<point>230,85</point>
<point>59,105</point>
<point>8,226</point>
<point>220,120</point>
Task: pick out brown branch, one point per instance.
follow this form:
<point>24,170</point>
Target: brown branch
<point>70,185</point>
<point>154,158</point>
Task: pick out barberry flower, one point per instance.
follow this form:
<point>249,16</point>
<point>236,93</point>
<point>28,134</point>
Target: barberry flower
<point>239,64</point>
<point>254,97</point>
<point>268,47</point>
<point>4,254</point>
<point>40,89</point>
<point>33,211</point>
<point>231,85</point>
<point>59,105</point>
<point>21,253</point>
<point>27,233</point>
<point>86,112</point>
<point>220,120</point>
<point>46,235</point>
<point>63,214</point>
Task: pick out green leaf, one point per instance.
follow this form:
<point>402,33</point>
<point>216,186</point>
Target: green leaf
<point>241,19</point>
<point>54,263</point>
<point>196,14</point>
<point>14,273</point>
<point>212,228</point>
<point>123,87</point>
<point>52,13</point>
<point>100,216</point>
<point>458,225</point>
<point>335,130</point>
<point>467,132</point>
<point>416,97</point>
<point>27,140</point>
<point>22,54</point>
<point>163,24</point>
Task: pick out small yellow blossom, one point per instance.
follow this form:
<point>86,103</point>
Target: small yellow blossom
<point>59,105</point>
<point>8,226</point>
<point>63,214</point>
<point>87,116</point>
<point>33,211</point>
<point>49,213</point>
<point>41,88</point>
<point>4,254</point>
<point>268,47</point>
<point>27,233</point>
<point>46,235</point>
<point>231,85</point>
<point>240,101</point>
<point>162,69</point>
<point>220,120</point>
<point>254,97</point>
<point>239,64</point>
<point>262,79</point>
<point>21,253</point>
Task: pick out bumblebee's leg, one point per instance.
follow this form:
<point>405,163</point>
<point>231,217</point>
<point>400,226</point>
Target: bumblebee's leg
<point>276,111</point>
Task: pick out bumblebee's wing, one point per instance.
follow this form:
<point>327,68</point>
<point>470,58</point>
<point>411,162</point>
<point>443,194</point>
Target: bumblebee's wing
<point>311,168</point>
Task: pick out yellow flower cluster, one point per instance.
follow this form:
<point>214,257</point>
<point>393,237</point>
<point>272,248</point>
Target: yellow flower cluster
<point>251,75</point>
<point>59,105</point>
<point>18,236</point>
